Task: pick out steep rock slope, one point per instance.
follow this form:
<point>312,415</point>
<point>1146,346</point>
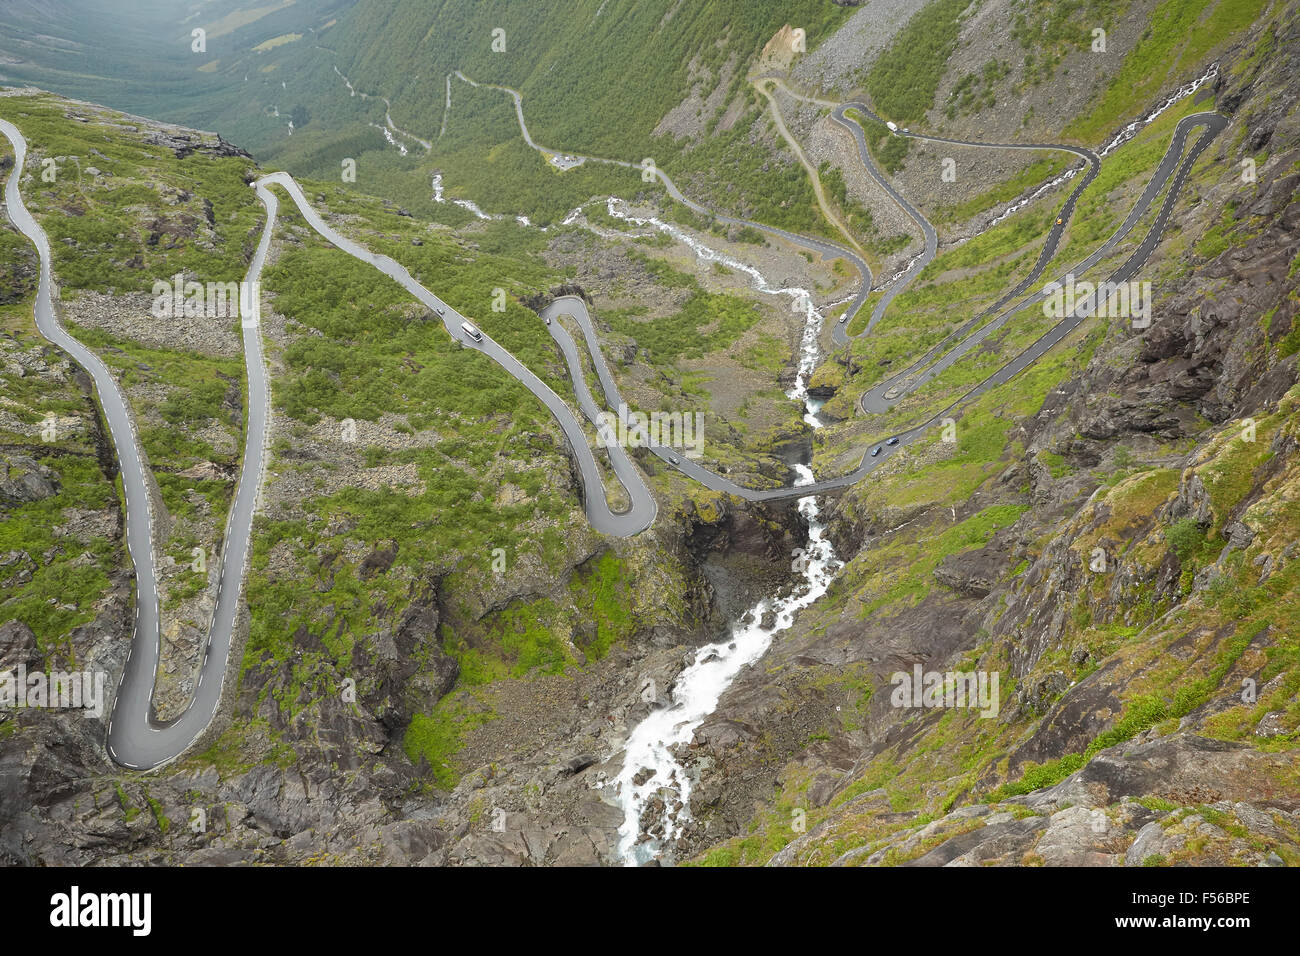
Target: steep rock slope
<point>1123,559</point>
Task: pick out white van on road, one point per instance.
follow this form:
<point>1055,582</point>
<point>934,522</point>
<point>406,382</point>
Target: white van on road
<point>471,331</point>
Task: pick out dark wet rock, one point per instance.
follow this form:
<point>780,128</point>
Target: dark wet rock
<point>17,646</point>
<point>1039,692</point>
<point>377,562</point>
<point>24,480</point>
<point>580,763</point>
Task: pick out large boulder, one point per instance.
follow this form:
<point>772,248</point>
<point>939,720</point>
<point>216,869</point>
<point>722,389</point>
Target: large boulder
<point>24,480</point>
<point>17,646</point>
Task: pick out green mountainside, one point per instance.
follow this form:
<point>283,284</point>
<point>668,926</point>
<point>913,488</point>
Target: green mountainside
<point>421,537</point>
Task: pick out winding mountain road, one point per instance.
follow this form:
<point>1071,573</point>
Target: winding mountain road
<point>639,516</point>
<point>1174,165</point>
<point>884,395</point>
<point>135,739</point>
<point>931,238</point>
<point>839,115</point>
<point>138,741</point>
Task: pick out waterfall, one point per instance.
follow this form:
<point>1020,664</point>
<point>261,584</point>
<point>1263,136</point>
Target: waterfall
<point>653,787</point>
